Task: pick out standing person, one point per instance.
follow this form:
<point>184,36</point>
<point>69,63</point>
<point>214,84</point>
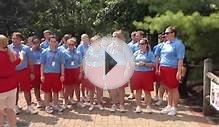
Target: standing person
<point>94,49</point>
<point>45,43</point>
<point>82,48</point>
<point>8,82</point>
<point>24,71</point>
<point>130,44</point>
<point>143,76</point>
<point>52,74</point>
<point>30,41</point>
<point>171,54</point>
<point>36,82</point>
<point>72,73</point>
<point>139,36</point>
<point>118,94</point>
<point>159,88</point>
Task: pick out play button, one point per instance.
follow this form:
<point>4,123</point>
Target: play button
<point>108,63</point>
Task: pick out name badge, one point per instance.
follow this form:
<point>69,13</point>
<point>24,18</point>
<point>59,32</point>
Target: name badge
<point>72,63</point>
<point>53,63</point>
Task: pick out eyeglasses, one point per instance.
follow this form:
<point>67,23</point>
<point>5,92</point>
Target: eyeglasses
<point>142,43</point>
<point>166,33</point>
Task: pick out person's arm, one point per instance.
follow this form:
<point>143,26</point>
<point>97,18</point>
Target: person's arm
<point>42,72</point>
<point>179,69</point>
<point>62,77</point>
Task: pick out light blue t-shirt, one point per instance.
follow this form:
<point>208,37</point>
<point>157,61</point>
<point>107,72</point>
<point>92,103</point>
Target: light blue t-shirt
<point>147,57</point>
<point>135,47</point>
<point>44,44</point>
<point>131,44</point>
<point>82,48</point>
<point>62,48</point>
<point>72,58</point>
<point>52,60</point>
<point>27,55</point>
<point>36,56</point>
<point>170,53</point>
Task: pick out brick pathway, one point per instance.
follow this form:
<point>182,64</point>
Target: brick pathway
<point>81,117</point>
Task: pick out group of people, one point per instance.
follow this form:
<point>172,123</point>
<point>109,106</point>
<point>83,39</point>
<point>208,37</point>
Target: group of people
<point>57,68</point>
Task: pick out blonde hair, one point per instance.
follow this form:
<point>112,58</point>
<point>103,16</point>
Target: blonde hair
<point>119,34</point>
<point>3,44</point>
<point>94,38</point>
<point>72,40</point>
<point>3,41</point>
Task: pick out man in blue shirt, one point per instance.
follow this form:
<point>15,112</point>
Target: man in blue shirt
<point>52,74</point>
<point>24,71</point>
<point>45,44</point>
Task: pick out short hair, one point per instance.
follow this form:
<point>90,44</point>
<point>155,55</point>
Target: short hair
<point>47,31</point>
<point>52,36</point>
<point>84,35</point>
<point>72,40</point>
<point>96,37</point>
<point>18,35</point>
<point>172,29</point>
<point>133,33</point>
<point>141,33</point>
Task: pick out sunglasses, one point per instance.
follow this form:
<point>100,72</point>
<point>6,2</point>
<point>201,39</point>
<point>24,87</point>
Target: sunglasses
<point>168,33</point>
<point>142,44</point>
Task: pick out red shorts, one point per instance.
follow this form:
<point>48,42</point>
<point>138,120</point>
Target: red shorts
<point>22,78</point>
<point>168,77</point>
<point>72,77</point>
<point>52,82</point>
<point>36,81</point>
<point>143,80</point>
<point>86,83</point>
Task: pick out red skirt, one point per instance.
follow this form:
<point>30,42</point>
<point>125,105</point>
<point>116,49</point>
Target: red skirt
<point>168,77</point>
<point>72,77</point>
<point>143,80</point>
<point>52,82</point>
<point>36,81</point>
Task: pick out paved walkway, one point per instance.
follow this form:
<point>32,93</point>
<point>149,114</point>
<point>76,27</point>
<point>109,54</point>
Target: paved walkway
<point>81,117</point>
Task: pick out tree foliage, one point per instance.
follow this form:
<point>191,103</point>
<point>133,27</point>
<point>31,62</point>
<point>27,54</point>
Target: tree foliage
<point>197,26</point>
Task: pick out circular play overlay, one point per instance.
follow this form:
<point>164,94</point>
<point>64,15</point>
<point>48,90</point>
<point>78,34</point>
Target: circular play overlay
<point>108,63</point>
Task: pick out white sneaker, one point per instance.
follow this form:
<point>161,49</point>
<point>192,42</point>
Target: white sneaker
<point>122,108</point>
<point>73,102</point>
<point>85,99</point>
<point>58,108</point>
<point>148,109</point>
<point>99,106</point>
<point>49,109</point>
<point>81,105</point>
<point>91,108</point>
<point>159,102</point>
<point>156,98</point>
<point>138,109</point>
<point>40,104</point>
<point>131,96</point>
<point>113,108</point>
<point>165,110</point>
<point>17,109</point>
<point>31,110</point>
<point>172,112</point>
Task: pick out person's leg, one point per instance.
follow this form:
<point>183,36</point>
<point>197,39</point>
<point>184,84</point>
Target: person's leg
<point>37,94</point>
<point>55,96</point>
<point>170,97</point>
<point>99,95</point>
<point>27,96</point>
<point>138,97</point>
<point>91,97</point>
<point>11,117</point>
<point>47,98</point>
<point>121,93</point>
<point>17,96</point>
<point>175,98</point>
<point>1,118</point>
<point>147,98</point>
<point>156,89</point>
<point>77,92</point>
<point>67,92</point>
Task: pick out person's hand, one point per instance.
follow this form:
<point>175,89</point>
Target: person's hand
<point>32,76</point>
<point>42,78</point>
<point>157,72</point>
<point>178,76</point>
<point>62,78</point>
<point>80,76</point>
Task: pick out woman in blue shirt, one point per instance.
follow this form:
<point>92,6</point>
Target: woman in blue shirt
<point>36,82</point>
<point>143,76</point>
<point>171,54</point>
<point>72,64</point>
